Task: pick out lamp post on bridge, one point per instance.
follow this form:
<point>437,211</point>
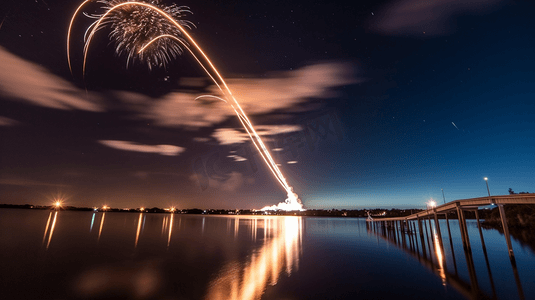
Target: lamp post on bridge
<point>444,197</point>
<point>488,191</point>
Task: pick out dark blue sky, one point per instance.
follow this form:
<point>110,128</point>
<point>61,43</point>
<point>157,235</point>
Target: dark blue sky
<point>388,79</point>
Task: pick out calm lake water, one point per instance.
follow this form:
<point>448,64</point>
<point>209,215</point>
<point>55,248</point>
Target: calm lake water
<point>86,255</point>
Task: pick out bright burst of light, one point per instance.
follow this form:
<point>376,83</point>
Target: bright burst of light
<point>290,204</point>
<point>156,34</point>
<point>142,209</point>
<point>432,203</point>
<point>133,26</point>
<point>57,204</point>
<point>105,207</point>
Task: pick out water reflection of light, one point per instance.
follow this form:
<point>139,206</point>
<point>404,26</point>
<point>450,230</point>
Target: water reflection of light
<point>138,229</point>
<point>101,224</point>
<point>46,228</point>
<point>440,258</point>
<point>92,221</point>
<point>164,222</point>
<point>236,228</point>
<point>52,229</point>
<point>143,224</point>
<point>170,230</point>
<point>280,251</point>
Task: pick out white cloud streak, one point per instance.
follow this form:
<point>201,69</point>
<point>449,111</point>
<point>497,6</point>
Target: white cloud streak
<point>229,136</point>
<point>167,150</point>
<point>28,82</point>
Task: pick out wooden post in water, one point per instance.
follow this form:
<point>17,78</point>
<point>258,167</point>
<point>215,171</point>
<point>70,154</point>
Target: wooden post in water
<point>402,231</point>
<point>421,237</point>
<point>438,231</point>
<point>506,232</point>
<point>395,231</point>
<point>462,227</point>
<point>485,254</point>
<point>401,237</point>
<point>451,243</point>
<point>428,242</point>
<point>430,234</point>
<point>480,232</point>
<point>409,234</point>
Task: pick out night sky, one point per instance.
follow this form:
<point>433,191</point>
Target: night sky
<point>369,104</point>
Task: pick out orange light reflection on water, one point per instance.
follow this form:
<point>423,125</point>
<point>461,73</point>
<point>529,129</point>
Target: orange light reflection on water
<point>52,229</point>
<point>138,229</point>
<point>164,222</point>
<point>170,230</point>
<point>101,225</point>
<point>46,228</point>
<point>440,258</point>
<point>280,251</point>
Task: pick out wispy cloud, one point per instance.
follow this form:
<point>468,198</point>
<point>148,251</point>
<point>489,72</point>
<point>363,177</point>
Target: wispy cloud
<point>231,182</point>
<point>426,18</point>
<point>237,157</point>
<point>168,150</point>
<point>279,91</point>
<point>228,136</point>
<point>8,122</point>
<point>26,81</point>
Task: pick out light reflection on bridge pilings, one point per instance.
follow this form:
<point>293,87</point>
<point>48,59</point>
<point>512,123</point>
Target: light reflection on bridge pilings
<point>427,246</point>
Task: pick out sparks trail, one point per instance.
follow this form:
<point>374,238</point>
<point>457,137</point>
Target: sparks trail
<point>155,34</point>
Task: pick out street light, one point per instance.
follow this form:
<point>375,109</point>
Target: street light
<point>443,196</point>
<point>431,204</point>
<point>488,191</point>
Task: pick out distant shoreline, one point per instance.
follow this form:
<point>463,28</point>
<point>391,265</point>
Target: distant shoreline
<point>351,213</point>
<point>342,213</point>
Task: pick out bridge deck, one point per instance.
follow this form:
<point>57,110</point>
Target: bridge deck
<point>467,204</point>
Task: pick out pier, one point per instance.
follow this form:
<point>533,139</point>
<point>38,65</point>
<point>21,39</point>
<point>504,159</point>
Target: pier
<point>416,235</point>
